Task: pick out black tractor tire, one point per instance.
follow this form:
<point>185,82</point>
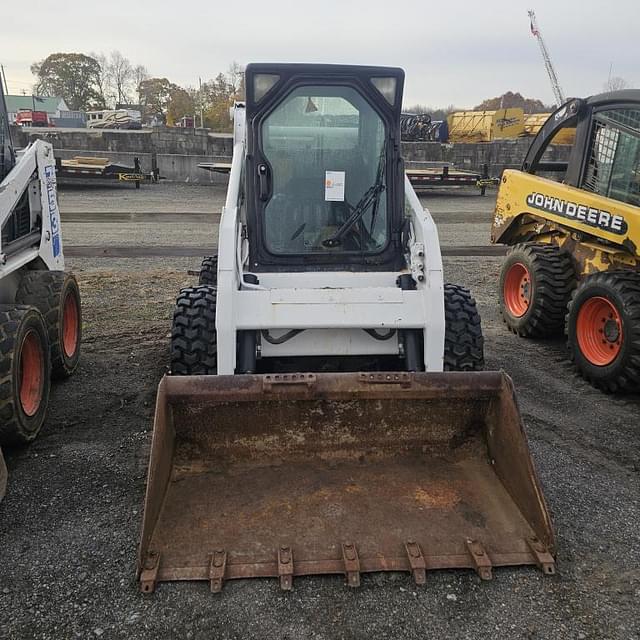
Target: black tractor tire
<point>3,477</point>
<point>209,271</point>
<point>603,330</point>
<point>536,282</point>
<point>463,340</point>
<point>25,371</point>
<point>193,333</point>
<point>57,296</point>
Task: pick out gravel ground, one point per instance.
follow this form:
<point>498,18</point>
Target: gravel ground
<point>70,522</point>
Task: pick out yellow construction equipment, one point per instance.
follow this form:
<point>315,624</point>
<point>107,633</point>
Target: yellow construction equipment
<point>574,265</point>
<point>392,451</point>
<point>485,126</point>
<point>533,122</point>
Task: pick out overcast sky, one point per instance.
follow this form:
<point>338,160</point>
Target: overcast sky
<point>453,52</point>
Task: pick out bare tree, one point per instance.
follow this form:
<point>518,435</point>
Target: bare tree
<point>615,83</point>
<point>119,81</point>
<point>235,74</point>
<point>102,81</point>
<point>140,74</point>
<point>120,77</point>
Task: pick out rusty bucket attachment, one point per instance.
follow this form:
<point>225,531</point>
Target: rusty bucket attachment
<point>289,475</point>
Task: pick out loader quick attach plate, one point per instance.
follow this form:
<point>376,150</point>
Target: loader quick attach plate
<point>289,475</point>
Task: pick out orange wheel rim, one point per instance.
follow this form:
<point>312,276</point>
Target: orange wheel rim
<point>31,373</point>
<point>70,325</point>
<point>517,290</point>
<point>599,331</point>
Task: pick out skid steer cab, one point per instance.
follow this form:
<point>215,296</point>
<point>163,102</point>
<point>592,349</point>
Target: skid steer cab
<point>326,258</point>
<point>574,261</point>
<point>389,451</point>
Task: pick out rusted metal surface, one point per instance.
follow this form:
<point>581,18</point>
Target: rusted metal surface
<point>217,570</point>
<point>285,568</point>
<point>416,562</point>
<point>351,564</point>
<point>253,476</point>
<point>480,558</point>
<point>544,559</point>
<point>149,572</point>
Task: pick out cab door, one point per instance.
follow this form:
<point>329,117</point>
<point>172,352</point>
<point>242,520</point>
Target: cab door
<point>322,164</point>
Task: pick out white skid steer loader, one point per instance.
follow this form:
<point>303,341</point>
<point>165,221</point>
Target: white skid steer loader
<point>391,450</point>
<point>40,311</point>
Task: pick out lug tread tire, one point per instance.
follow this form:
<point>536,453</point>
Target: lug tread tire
<point>209,271</point>
<point>623,287</point>
<point>193,333</point>
<point>3,477</point>
<point>553,279</point>
<point>15,426</point>
<point>463,341</point>
<point>46,291</point>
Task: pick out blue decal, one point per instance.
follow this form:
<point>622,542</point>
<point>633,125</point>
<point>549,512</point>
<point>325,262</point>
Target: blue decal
<point>54,215</point>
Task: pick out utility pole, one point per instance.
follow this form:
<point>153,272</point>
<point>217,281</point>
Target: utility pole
<point>201,109</point>
<point>555,85</point>
<point>4,78</point>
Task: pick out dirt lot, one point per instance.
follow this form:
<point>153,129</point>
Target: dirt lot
<point>70,521</point>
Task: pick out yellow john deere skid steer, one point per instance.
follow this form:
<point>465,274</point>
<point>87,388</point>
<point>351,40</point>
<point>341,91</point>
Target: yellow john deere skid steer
<point>392,452</point>
<point>574,264</point>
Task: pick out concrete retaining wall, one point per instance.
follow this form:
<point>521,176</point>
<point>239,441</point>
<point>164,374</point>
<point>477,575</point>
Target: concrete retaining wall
<point>499,155</point>
<point>184,168</point>
<point>157,140</point>
<point>178,151</point>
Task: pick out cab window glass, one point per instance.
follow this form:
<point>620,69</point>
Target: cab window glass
<point>613,166</point>
<point>326,150</point>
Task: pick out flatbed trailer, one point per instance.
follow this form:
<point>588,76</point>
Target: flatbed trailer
<point>81,169</point>
<point>216,167</point>
<point>422,175</point>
